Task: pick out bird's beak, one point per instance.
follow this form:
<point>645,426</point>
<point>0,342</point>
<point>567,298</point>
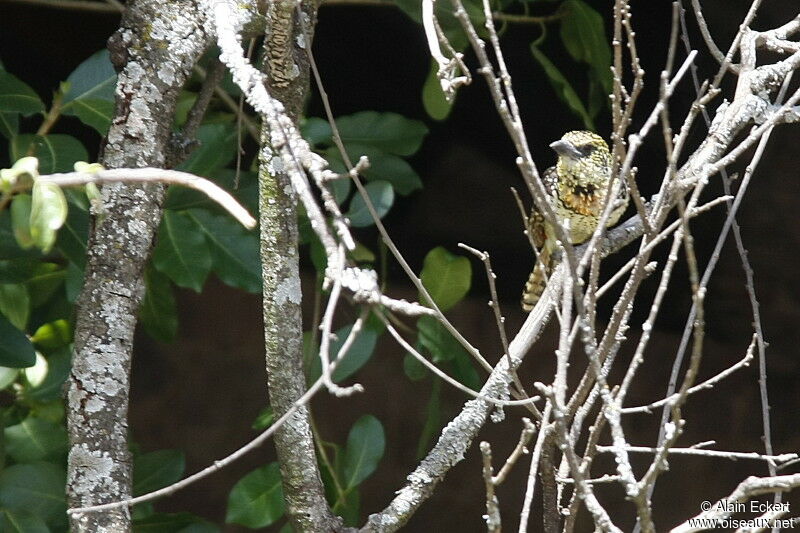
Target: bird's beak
<point>565,148</point>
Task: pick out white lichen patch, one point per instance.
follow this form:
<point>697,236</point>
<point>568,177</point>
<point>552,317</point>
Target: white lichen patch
<point>288,290</point>
<point>166,73</point>
<point>90,469</point>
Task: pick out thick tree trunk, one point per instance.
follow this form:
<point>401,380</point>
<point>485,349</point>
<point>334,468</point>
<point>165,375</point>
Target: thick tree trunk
<point>154,50</point>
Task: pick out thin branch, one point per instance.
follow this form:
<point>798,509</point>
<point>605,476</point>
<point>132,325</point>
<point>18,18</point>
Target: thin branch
<point>156,175</point>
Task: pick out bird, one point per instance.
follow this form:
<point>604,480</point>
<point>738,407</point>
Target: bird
<point>576,188</point>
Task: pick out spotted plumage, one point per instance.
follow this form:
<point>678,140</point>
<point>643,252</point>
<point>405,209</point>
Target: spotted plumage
<point>576,187</point>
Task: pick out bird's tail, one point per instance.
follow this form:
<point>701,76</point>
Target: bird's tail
<point>537,280</point>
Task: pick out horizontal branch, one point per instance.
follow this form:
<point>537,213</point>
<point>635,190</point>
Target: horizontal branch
<point>159,175</point>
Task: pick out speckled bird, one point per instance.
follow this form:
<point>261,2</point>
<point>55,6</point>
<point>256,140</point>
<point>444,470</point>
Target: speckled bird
<point>576,187</point>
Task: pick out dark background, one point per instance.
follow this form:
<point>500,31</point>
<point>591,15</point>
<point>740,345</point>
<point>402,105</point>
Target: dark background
<point>201,393</point>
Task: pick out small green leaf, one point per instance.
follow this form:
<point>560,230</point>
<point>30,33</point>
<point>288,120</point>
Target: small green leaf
<point>35,439</point>
<point>365,446</point>
<point>36,488</point>
<point>413,369</point>
<point>9,124</point>
<point>16,96</point>
<point>95,78</point>
<point>464,370</point>
<point>381,194</point>
<point>53,334</point>
<point>433,415</point>
<point>390,132</point>
<point>21,220</point>
<point>257,499</point>
<point>382,166</point>
<point>437,340</point>
<point>93,112</point>
<point>73,283</point>
<point>182,252</point>
<point>155,470</point>
<point>584,37</point>
<point>72,237</point>
<point>234,250</point>
<point>21,522</point>
<point>446,276</point>
<point>360,351</point>
<point>562,87</point>
<point>16,351</point>
<point>264,419</point>
<point>45,280</point>
<point>159,314</point>
<point>433,99</point>
<point>217,148</point>
<point>15,304</point>
<point>58,367</point>
<point>56,152</point>
<point>7,377</point>
<point>317,131</point>
<point>173,523</point>
<point>48,213</point>
<point>35,375</point>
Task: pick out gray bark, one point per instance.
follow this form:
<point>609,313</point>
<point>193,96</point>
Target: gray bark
<point>154,50</point>
<point>287,70</point>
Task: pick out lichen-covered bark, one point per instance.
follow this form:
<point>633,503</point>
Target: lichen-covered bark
<point>154,50</point>
<point>288,77</point>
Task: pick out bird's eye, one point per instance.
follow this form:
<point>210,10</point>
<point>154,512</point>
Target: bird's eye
<point>586,149</point>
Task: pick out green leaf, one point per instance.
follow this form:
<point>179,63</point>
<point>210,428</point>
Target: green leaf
<point>448,22</point>
<point>317,131</point>
<point>182,252</point>
<point>155,470</point>
<point>7,377</point>
<point>217,148</point>
<point>446,276</point>
<point>17,97</point>
<point>433,415</point>
<point>264,419</point>
<point>382,166</point>
<point>73,283</point>
<point>413,369</point>
<point>21,522</point>
<point>234,250</point>
<point>173,523</point>
<point>562,87</point>
<point>433,99</point>
<point>48,213</point>
<point>16,351</point>
<point>357,356</point>
<point>16,270</point>
<point>365,446</point>
<point>35,439</point>
<point>93,112</point>
<point>9,124</point>
<point>53,334</point>
<point>390,132</point>
<point>45,280</point>
<point>94,79</point>
<point>58,367</point>
<point>257,499</point>
<point>437,340</point>
<point>36,488</point>
<point>584,37</point>
<point>56,152</point>
<point>464,370</point>
<point>72,237</point>
<point>35,375</point>
<point>159,314</point>
<point>21,220</point>
<point>381,194</point>
<point>15,304</point>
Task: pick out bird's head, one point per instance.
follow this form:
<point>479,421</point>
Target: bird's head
<point>583,158</point>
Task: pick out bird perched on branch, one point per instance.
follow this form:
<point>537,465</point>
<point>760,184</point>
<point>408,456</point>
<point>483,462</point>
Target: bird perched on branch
<point>576,189</point>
